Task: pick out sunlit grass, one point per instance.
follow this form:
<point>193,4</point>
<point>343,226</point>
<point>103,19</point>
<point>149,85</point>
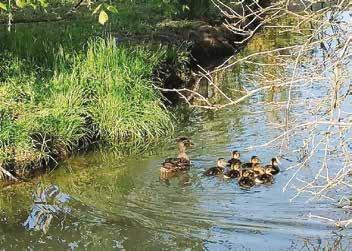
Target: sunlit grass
<point>105,94</point>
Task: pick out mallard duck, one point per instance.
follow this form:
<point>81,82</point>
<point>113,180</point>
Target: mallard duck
<point>247,179</point>
<point>273,167</point>
<point>218,169</point>
<point>254,161</point>
<point>234,172</point>
<point>182,162</point>
<point>235,158</point>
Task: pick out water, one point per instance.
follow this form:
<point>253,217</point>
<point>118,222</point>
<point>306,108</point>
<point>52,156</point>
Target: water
<point>99,202</point>
<point>108,202</point>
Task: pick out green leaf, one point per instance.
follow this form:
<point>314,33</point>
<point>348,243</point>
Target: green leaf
<point>43,3</point>
<point>97,8</point>
<point>21,3</point>
<point>3,6</point>
<point>112,9</point>
<point>103,17</point>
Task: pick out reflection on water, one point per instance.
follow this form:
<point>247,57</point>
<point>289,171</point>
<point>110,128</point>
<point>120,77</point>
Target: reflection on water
<point>103,201</point>
<point>48,202</point>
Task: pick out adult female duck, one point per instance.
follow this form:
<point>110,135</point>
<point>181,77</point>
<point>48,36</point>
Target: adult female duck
<point>182,162</point>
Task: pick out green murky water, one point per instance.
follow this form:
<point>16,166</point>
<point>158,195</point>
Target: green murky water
<point>102,201</point>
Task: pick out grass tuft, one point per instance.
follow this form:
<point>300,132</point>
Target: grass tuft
<point>106,93</point>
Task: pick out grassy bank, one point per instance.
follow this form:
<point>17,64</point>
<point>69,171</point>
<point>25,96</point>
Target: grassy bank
<point>104,94</point>
<point>64,88</point>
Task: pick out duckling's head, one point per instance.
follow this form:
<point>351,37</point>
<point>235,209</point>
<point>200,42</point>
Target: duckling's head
<point>248,174</point>
<point>184,141</point>
<point>255,160</point>
<point>236,154</point>
<point>236,166</point>
<point>221,162</point>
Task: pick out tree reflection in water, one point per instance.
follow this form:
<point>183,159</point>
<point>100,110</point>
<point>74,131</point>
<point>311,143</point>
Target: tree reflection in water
<point>340,242</point>
<point>48,203</point>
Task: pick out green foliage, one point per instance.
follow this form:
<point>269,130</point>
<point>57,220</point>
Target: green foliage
<point>106,93</point>
<point>3,6</point>
<point>44,42</point>
<point>59,92</point>
<point>103,8</point>
<point>125,104</point>
<point>117,84</point>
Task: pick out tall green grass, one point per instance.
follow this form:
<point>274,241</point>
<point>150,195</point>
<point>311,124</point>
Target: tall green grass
<point>105,94</point>
<point>40,43</point>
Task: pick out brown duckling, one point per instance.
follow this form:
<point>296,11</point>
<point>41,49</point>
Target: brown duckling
<point>234,172</point>
<point>274,166</point>
<point>247,179</point>
<point>218,169</point>
<point>235,158</point>
<point>182,162</point>
<point>264,176</point>
<point>254,161</point>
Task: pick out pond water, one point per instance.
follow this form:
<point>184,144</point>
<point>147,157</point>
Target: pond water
<point>104,201</point>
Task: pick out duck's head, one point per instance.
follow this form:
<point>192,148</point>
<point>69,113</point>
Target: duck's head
<point>221,162</point>
<point>275,162</point>
<point>248,174</point>
<point>255,160</point>
<point>184,142</point>
<point>236,154</point>
<point>236,166</point>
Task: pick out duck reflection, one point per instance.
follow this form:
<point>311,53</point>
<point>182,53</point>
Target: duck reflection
<point>48,202</point>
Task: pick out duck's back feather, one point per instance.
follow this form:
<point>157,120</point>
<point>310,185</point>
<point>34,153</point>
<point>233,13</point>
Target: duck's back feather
<point>213,171</point>
<point>234,161</point>
<point>176,164</point>
<point>232,174</point>
<point>265,178</point>
<point>247,165</point>
<point>246,182</point>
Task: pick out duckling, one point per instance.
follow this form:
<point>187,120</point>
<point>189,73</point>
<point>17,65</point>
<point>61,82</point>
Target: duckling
<point>254,161</point>
<point>234,172</point>
<point>258,169</point>
<point>218,169</point>
<point>235,158</point>
<point>247,179</point>
<point>274,166</point>
<point>265,176</point>
<point>182,162</point>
